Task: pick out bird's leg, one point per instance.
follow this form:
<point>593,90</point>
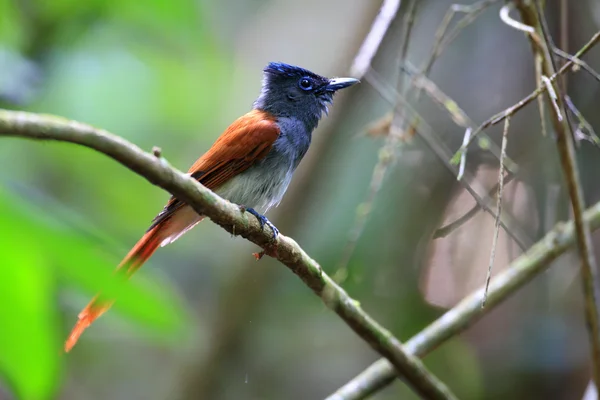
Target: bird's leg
<point>262,220</point>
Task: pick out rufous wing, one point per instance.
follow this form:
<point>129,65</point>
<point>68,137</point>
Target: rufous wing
<point>245,141</point>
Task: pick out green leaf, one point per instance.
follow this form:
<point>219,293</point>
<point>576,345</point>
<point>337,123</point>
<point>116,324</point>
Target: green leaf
<point>29,345</point>
<point>484,143</point>
<point>80,263</point>
<point>455,160</point>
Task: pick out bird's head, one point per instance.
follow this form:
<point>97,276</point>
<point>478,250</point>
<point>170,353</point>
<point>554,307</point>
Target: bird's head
<point>289,91</point>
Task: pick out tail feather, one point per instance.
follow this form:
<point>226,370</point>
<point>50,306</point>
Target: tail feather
<point>139,254</point>
<point>164,232</point>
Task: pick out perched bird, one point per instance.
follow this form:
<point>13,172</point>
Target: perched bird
<point>251,164</point>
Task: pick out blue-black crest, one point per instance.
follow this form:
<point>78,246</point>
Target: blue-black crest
<point>293,92</point>
<point>290,71</point>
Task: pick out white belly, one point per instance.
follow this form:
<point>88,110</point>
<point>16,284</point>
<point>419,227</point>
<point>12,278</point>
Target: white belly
<point>258,188</point>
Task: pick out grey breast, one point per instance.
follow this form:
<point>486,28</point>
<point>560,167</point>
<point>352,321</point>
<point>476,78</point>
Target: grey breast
<point>263,185</point>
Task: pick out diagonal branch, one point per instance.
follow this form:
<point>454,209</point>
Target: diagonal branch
<point>468,311</point>
<point>371,44</point>
<point>532,15</point>
<point>157,171</point>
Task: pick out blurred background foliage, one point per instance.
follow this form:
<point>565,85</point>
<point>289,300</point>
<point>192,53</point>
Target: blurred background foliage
<point>173,74</point>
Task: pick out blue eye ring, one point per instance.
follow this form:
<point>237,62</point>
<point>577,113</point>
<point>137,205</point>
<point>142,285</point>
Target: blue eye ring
<point>305,83</point>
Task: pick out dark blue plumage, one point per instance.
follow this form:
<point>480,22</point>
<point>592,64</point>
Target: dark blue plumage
<point>290,91</point>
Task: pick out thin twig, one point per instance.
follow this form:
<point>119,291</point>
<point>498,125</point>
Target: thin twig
<point>409,22</point>
<point>363,210</point>
<point>428,135</point>
<point>371,44</point>
<point>385,160</point>
<point>553,97</point>
<point>501,116</point>
<point>232,219</point>
<point>506,18</point>
<point>577,62</point>
<point>457,114</point>
<point>521,271</point>
<point>564,35</point>
<point>442,40</point>
<point>540,99</point>
<point>498,210</point>
<point>583,123</point>
<point>532,14</point>
<point>590,392</point>
<point>463,157</point>
<point>460,221</point>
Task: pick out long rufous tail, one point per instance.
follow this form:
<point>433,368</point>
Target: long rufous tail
<point>139,254</point>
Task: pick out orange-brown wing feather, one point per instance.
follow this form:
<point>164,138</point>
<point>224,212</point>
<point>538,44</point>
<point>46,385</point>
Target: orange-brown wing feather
<point>245,141</point>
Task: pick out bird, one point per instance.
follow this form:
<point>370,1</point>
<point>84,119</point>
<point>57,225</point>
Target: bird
<point>251,164</point>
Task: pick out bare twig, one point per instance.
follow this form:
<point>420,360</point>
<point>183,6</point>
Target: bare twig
<point>363,211</point>
<point>232,219</point>
<point>427,133</point>
<point>497,118</point>
<point>590,392</point>
<point>498,210</point>
<point>385,161</point>
<point>506,18</point>
<point>540,100</point>
<point>460,221</point>
<point>463,157</point>
<point>564,35</point>
<point>532,14</point>
<point>457,114</point>
<point>409,22</point>
<point>443,39</point>
<point>369,48</point>
<point>583,123</point>
<point>522,270</point>
<point>577,62</point>
<point>553,97</point>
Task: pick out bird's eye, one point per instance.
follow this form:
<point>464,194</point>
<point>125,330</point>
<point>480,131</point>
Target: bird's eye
<point>305,84</point>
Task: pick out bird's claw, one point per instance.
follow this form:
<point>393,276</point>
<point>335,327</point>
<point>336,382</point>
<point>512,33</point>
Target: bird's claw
<point>262,220</point>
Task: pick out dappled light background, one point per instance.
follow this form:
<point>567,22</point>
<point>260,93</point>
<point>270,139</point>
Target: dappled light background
<point>174,74</point>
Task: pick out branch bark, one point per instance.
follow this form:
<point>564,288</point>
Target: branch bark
<point>158,172</point>
<point>535,261</point>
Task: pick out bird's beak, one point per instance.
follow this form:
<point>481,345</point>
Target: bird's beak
<point>340,83</point>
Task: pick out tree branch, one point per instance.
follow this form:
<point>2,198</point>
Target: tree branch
<point>532,15</point>
<point>227,215</point>
<point>535,261</point>
<point>370,46</point>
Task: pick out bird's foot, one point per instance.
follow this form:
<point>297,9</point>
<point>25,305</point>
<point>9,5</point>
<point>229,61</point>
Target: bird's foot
<point>262,220</point>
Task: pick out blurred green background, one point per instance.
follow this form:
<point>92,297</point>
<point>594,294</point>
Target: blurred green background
<point>203,320</point>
